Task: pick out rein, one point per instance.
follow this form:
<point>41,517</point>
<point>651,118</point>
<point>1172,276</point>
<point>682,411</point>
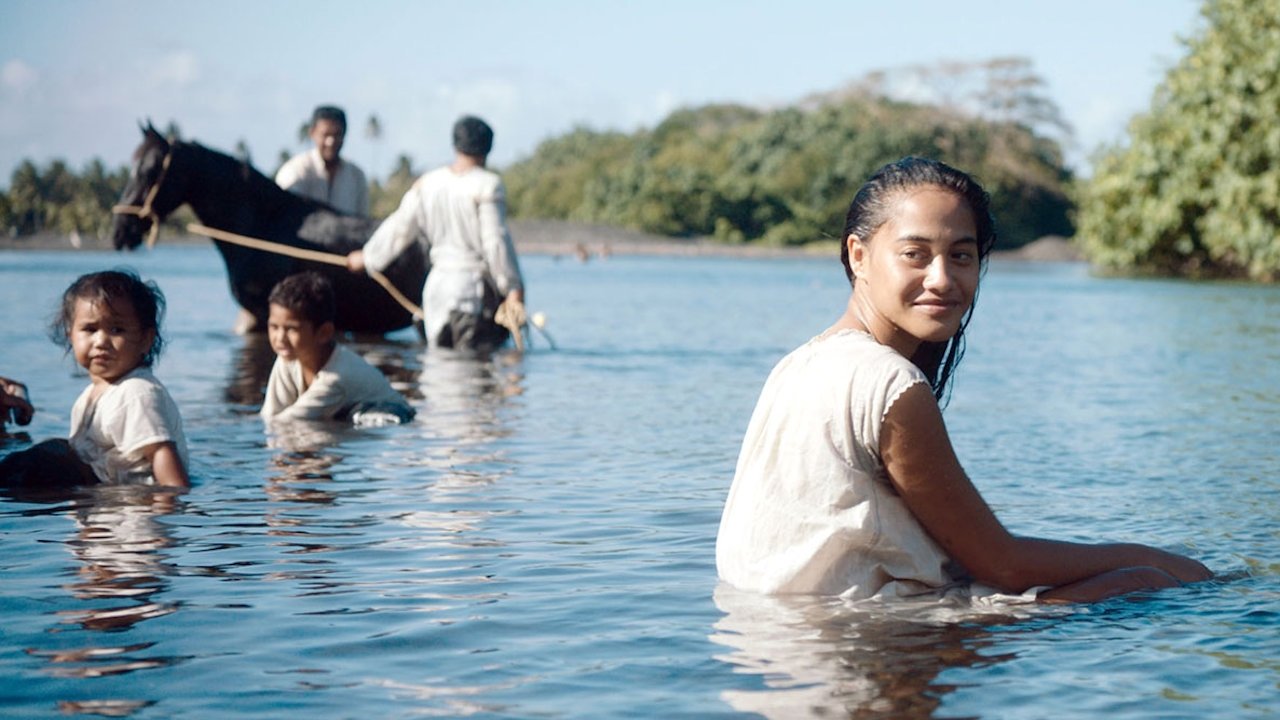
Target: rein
<point>304,254</point>
<point>144,211</point>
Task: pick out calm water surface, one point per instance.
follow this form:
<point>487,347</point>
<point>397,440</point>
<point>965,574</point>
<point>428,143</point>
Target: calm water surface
<point>539,543</point>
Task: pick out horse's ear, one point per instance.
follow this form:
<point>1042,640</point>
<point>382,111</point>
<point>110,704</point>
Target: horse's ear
<point>149,131</point>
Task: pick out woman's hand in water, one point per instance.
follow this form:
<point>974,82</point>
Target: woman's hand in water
<point>922,466</point>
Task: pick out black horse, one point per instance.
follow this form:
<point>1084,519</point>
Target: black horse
<point>230,195</point>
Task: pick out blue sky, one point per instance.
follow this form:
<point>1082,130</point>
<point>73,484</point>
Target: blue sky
<point>76,76</point>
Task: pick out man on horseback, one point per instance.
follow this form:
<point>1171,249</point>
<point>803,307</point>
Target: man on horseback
<point>320,174</point>
<point>459,213</point>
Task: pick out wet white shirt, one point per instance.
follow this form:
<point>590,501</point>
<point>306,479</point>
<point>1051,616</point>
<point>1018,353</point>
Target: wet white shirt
<point>811,508</point>
<point>345,385</point>
<point>461,219</point>
<point>305,175</point>
<point>110,432</point>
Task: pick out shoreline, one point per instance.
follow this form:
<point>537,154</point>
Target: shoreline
<point>587,240</point>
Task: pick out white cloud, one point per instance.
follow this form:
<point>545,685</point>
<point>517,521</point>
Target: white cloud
<point>664,103</point>
<point>632,113</point>
<point>489,95</point>
<point>1103,121</point>
<point>912,88</point>
<point>18,76</point>
<point>178,70</point>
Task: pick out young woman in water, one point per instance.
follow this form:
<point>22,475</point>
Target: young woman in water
<point>847,483</point>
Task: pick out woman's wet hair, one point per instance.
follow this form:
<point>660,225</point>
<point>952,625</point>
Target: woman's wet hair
<point>309,295</point>
<point>872,207</point>
<point>108,288</point>
<point>472,136</point>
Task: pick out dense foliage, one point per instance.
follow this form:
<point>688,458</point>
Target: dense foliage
<point>384,198</point>
<point>56,199</point>
<point>786,176</point>
<point>1196,191</point>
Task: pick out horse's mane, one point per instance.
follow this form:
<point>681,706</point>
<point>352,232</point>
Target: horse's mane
<point>242,173</point>
<point>224,164</point>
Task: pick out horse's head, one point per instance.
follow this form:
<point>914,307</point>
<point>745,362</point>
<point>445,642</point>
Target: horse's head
<point>150,195</point>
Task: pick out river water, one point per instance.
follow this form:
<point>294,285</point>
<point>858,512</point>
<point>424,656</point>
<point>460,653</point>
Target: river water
<point>539,542</point>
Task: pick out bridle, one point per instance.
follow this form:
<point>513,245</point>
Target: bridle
<point>144,211</point>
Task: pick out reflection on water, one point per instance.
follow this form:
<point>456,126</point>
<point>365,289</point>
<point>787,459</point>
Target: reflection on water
<point>102,708</point>
<point>463,397</point>
<point>539,541</point>
<point>459,397</point>
<point>249,369</point>
<point>120,580</point>
<point>301,477</point>
<point>464,394</point>
<point>120,540</point>
<point>868,659</point>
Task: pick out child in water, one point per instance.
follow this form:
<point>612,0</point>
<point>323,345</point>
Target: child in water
<point>314,378</point>
<point>124,426</point>
<point>847,483</point>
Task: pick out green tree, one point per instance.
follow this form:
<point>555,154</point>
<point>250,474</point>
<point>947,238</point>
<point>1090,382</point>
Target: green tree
<point>373,132</point>
<point>1196,191</point>
<point>556,180</point>
<point>242,152</point>
<point>384,199</point>
<point>282,157</point>
<point>786,176</point>
<point>56,199</point>
<point>26,200</point>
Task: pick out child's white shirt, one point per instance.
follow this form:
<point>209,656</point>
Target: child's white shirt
<point>345,385</point>
<point>110,432</point>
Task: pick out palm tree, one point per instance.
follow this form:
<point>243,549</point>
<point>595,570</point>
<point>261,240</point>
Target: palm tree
<point>373,131</point>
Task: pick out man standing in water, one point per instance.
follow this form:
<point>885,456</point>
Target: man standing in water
<point>459,212</point>
<point>320,174</point>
